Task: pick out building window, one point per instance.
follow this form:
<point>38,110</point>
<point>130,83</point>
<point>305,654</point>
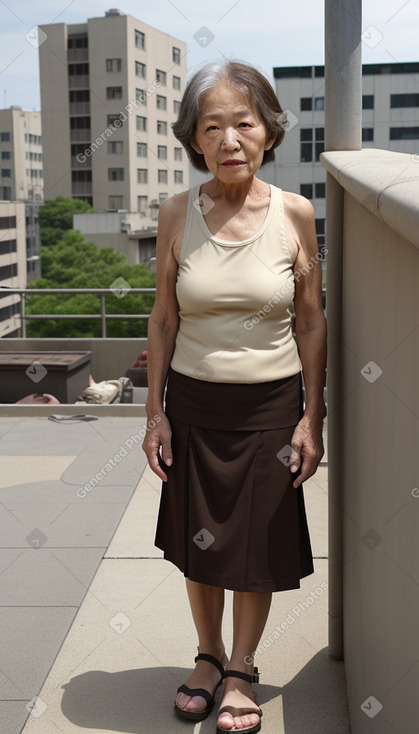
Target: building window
<point>404,133</point>
<point>176,55</point>
<point>140,96</point>
<point>178,176</point>
<point>404,100</point>
<point>142,176</point>
<point>8,271</point>
<point>140,69</point>
<point>320,190</point>
<point>176,106</point>
<point>161,127</point>
<point>4,137</point>
<point>142,150</point>
<point>319,104</point>
<point>310,150</point>
<point>78,69</point>
<point>321,231</point>
<point>162,152</point>
<point>176,82</point>
<point>367,101</point>
<point>306,190</point>
<point>115,174</point>
<point>141,123</point>
<point>367,134</point>
<point>114,120</point>
<point>306,104</point>
<point>5,155</point>
<point>8,222</point>
<point>161,102</point>
<point>306,145</point>
<point>115,147</point>
<point>113,92</point>
<point>142,202</point>
<point>161,77</point>
<point>140,40</point>
<point>163,197</point>
<point>178,154</point>
<point>5,173</point>
<point>115,202</point>
<point>113,64</point>
<point>78,41</point>
<point>162,175</point>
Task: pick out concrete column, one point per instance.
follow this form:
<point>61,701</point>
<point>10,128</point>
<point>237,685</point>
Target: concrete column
<point>343,131</point>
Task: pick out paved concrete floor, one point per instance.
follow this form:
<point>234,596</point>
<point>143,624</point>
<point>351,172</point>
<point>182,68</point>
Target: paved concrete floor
<point>99,633</point>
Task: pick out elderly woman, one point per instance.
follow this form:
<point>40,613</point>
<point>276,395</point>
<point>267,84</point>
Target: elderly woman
<point>234,443</point>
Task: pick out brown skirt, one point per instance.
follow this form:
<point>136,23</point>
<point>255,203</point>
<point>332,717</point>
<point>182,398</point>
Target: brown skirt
<point>229,515</point>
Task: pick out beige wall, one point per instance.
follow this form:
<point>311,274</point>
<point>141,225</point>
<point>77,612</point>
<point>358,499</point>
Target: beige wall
<point>55,111</point>
<point>377,412</point>
<point>10,209</point>
<point>23,185</point>
<point>111,38</point>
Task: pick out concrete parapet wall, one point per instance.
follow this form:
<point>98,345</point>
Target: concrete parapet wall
<point>377,414</point>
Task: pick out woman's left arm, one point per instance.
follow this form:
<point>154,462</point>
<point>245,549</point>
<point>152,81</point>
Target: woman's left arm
<point>310,332</point>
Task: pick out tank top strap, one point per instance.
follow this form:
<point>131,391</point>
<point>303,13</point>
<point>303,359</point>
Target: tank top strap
<point>190,218</point>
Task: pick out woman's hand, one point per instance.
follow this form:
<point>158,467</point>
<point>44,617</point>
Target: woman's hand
<point>307,448</point>
<point>159,436</point>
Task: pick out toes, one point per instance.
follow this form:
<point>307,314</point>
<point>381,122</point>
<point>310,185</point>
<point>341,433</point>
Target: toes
<point>246,721</point>
<point>188,703</point>
<point>225,721</point>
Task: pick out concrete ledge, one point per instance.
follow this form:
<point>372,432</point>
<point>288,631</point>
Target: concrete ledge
<point>384,182</point>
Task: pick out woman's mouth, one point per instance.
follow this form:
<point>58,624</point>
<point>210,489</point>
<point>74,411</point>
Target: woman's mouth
<point>233,163</point>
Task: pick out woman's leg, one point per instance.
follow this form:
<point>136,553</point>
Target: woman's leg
<point>250,612</point>
<point>207,606</point>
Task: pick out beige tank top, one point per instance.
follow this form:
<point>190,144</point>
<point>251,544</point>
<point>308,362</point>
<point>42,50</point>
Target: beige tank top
<point>234,302</point>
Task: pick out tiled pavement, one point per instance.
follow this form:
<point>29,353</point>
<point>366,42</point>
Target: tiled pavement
<point>97,629</point>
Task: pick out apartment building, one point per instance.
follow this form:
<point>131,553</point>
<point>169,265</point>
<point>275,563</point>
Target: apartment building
<point>21,174</point>
<point>390,120</point>
<point>12,264</point>
<point>110,89</point>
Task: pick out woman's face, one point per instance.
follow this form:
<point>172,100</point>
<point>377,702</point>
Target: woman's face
<point>230,135</point>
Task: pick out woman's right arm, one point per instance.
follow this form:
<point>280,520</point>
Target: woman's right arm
<point>162,329</point>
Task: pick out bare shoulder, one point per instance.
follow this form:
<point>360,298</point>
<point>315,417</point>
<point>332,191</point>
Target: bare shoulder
<point>173,210</point>
<point>172,218</point>
<point>297,207</point>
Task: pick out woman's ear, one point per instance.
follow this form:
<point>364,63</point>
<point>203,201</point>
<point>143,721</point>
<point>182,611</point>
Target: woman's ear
<point>270,139</point>
<point>195,145</point>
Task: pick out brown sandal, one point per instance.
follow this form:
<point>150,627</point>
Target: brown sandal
<point>200,715</point>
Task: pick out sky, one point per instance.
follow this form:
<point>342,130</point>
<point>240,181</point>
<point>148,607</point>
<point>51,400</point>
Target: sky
<point>265,33</point>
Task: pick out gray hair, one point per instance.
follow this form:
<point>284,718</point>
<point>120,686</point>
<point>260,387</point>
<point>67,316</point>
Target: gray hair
<point>246,79</point>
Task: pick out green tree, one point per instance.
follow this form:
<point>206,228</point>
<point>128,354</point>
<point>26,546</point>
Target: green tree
<point>74,263</point>
<point>56,217</point>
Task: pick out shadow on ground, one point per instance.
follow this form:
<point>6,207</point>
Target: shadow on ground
<point>141,700</point>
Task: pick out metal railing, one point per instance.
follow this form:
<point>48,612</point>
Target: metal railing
<point>104,316</point>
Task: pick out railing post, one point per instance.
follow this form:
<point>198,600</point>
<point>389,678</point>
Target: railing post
<point>103,315</point>
<point>343,131</point>
<point>23,314</point>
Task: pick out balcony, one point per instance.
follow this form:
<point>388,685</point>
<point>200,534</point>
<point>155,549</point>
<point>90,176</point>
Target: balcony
<point>80,136</point>
<point>78,81</point>
<point>80,163</point>
<point>79,108</point>
<point>81,188</point>
<point>77,54</point>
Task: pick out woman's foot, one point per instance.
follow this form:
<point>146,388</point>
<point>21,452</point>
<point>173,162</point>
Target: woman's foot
<point>204,676</point>
<point>238,695</point>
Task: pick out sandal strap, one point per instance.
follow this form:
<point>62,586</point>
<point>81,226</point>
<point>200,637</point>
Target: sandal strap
<point>244,676</point>
<point>197,692</point>
<point>210,659</point>
<point>233,711</point>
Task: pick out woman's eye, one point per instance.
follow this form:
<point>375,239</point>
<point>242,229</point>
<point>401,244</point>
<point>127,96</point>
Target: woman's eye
<point>245,124</point>
<point>212,127</point>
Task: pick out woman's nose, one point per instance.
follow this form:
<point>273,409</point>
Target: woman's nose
<point>230,140</point>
